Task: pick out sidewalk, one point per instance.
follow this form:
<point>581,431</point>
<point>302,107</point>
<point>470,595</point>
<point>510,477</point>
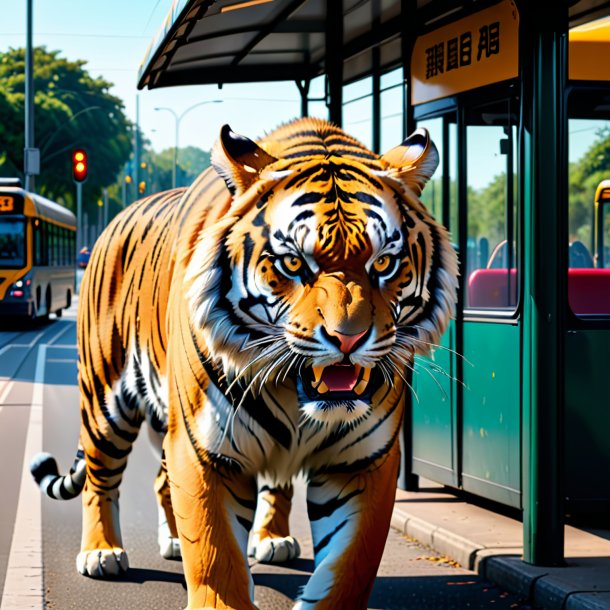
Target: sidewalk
<point>491,544</point>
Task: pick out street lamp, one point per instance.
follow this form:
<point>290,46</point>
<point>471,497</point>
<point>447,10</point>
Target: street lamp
<point>177,119</point>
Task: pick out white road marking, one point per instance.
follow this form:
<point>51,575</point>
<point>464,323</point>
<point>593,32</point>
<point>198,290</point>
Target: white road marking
<point>6,385</point>
<point>23,586</point>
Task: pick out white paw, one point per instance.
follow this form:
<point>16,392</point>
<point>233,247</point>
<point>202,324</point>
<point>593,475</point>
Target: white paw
<point>169,548</point>
<point>275,550</point>
<point>102,563</point>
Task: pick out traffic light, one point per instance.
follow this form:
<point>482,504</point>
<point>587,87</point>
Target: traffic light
<point>80,165</point>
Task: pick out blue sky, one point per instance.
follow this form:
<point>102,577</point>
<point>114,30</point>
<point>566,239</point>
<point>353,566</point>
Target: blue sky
<point>112,36</point>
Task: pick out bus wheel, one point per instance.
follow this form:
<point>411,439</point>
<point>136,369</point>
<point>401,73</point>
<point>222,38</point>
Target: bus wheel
<point>68,299</point>
<point>48,304</point>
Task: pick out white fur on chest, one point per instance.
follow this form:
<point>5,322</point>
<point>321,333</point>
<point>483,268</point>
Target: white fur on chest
<point>312,446</point>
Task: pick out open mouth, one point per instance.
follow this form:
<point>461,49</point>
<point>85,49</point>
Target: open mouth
<point>337,381</point>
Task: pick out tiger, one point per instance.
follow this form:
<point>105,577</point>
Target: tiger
<point>264,323</point>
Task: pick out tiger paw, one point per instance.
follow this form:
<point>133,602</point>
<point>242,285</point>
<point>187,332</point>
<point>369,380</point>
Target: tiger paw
<point>169,546</point>
<point>102,563</point>
<point>275,550</point>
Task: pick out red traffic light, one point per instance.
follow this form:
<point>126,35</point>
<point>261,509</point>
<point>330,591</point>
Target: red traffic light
<point>80,165</point>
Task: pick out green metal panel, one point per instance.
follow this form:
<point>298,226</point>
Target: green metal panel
<point>433,413</point>
<point>544,289</point>
<point>587,420</point>
<point>491,450</point>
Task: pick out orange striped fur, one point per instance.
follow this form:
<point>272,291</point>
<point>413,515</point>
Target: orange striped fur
<point>264,322</point>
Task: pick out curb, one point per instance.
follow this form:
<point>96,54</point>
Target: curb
<point>543,587</point>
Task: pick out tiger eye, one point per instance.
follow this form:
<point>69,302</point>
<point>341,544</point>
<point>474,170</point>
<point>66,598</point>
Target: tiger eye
<point>382,263</point>
<point>292,263</point>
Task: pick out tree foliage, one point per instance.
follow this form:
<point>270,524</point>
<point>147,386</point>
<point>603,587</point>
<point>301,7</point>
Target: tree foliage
<point>72,109</point>
<point>584,177</point>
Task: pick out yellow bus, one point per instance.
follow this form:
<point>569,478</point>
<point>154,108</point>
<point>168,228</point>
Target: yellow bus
<point>37,253</point>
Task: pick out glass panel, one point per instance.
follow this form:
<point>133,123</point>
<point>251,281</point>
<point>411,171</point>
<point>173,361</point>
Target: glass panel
<point>392,104</point>
<point>358,121</point>
<point>317,91</point>
<point>589,203</point>
<point>453,227</point>
<point>12,243</point>
<point>491,269</point>
<point>392,79</point>
<point>357,89</point>
<point>432,195</point>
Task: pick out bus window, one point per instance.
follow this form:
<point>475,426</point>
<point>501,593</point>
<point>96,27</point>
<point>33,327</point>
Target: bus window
<point>12,243</point>
<point>491,263</point>
<point>589,202</point>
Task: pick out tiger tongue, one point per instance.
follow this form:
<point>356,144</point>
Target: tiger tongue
<point>340,377</point>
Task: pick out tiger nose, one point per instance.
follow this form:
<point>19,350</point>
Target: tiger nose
<point>347,342</point>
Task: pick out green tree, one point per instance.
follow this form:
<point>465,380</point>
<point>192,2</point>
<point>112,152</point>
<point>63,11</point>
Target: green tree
<point>158,172</point>
<point>72,109</point>
<point>584,177</point>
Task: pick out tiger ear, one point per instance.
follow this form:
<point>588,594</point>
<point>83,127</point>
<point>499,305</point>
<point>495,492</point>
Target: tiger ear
<point>414,161</point>
<point>238,160</point>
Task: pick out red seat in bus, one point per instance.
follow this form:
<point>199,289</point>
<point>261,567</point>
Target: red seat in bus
<point>488,288</point>
<point>589,291</point>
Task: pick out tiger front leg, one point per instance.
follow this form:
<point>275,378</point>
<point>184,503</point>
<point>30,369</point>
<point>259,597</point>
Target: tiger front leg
<point>214,507</point>
<point>102,554</point>
<point>271,541</point>
<point>350,517</point>
<point>167,537</point>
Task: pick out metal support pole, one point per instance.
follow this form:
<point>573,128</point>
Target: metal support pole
<point>545,286</point>
<point>303,87</point>
<point>376,81</point>
<point>79,216</point>
<point>136,153</point>
<point>334,60</point>
<point>31,155</point>
<point>105,191</point>
<point>406,479</point>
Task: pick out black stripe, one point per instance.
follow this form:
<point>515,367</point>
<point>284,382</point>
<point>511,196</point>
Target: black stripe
<point>319,511</point>
<point>262,414</point>
<point>327,539</point>
<point>376,425</point>
<point>362,464</point>
<point>308,198</point>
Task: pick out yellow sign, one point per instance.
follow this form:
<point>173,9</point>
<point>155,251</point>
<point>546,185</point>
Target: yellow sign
<point>589,55</point>
<point>478,50</point>
<point>7,204</point>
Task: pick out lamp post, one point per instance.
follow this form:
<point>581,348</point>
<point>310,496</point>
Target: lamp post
<point>177,119</point>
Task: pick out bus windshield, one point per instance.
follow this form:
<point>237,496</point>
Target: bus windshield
<point>12,243</point>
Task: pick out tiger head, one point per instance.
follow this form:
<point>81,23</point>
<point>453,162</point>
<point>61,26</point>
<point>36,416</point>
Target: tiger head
<point>327,272</point>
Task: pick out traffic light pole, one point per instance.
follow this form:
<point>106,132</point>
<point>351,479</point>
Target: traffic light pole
<point>79,215</point>
<point>31,155</point>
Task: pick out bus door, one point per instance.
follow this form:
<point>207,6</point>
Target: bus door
<point>434,397</point>
<point>490,442</point>
<point>586,450</point>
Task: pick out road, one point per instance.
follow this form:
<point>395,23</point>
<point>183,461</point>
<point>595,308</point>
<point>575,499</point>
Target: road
<point>39,410</point>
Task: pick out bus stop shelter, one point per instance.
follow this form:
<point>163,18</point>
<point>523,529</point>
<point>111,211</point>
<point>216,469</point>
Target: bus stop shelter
<point>231,41</point>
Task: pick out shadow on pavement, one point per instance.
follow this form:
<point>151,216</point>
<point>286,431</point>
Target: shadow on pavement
<point>142,575</point>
